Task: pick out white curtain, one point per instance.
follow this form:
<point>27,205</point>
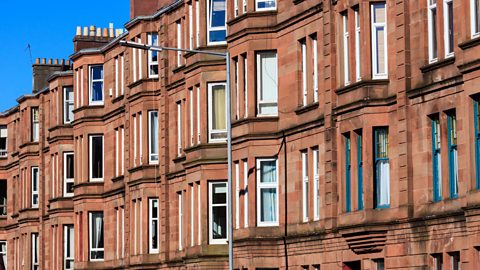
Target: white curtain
<point>99,231</point>
<point>269,204</point>
<point>384,188</point>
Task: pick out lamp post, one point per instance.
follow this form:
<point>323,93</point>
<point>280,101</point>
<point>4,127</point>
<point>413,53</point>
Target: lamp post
<point>229,128</point>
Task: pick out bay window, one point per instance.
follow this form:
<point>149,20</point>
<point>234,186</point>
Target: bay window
<point>153,225</point>
<point>96,235</point>
<point>35,187</point>
<point>153,137</point>
<point>217,112</point>
<point>67,105</point>
<point>68,247</point>
<point>379,41</point>
<point>96,157</point>
<point>96,85</point>
<point>382,168</point>
<point>68,174</point>
<point>153,56</point>
<point>267,192</point>
<point>216,22</point>
<point>217,212</point>
<point>267,84</point>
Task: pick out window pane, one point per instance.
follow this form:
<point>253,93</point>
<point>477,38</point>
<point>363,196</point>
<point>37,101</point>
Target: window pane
<point>265,4</point>
<point>380,33</point>
<point>69,166</point>
<point>154,136</point>
<point>3,197</point>
<point>97,91</point>
<point>268,76</point>
<point>217,27</point>
<point>219,193</point>
<point>97,156</point>
<point>219,219</point>
<point>97,73</point>
<point>97,244</point>
<point>268,200</point>
<point>219,108</point>
<point>268,171</point>
<point>379,13</point>
<point>383,173</point>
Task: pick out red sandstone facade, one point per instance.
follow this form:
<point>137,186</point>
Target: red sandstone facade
<point>355,132</point>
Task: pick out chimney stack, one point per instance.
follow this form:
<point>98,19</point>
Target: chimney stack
<point>43,68</point>
<point>93,37</point>
<point>146,7</point>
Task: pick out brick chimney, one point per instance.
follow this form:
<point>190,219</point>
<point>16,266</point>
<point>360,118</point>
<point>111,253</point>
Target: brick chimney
<point>146,7</point>
<point>43,68</point>
<point>93,37</point>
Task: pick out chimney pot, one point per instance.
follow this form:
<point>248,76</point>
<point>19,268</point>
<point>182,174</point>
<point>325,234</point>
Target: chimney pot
<point>99,32</point>
<point>44,61</point>
<point>62,62</point>
<point>49,61</point>
<point>105,32</point>
<point>37,61</point>
<point>55,61</point>
<point>110,25</point>
<point>68,63</point>
<point>92,30</point>
<point>85,31</point>
<point>79,31</point>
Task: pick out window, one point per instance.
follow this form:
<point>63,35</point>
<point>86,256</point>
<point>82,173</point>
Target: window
<point>3,141</point>
<point>244,6</point>
<point>379,41</point>
<point>68,247</point>
<point>3,197</point>
<point>265,5</point>
<point>217,112</point>
<point>237,97</point>
<point>305,188</point>
<point>476,119</point>
<point>180,220</point>
<point>448,27</point>
<point>96,235</point>
<point>198,114</point>
<point>245,193</point>
<point>190,115</point>
<point>357,45</point>
<point>153,137</point>
<point>35,187</point>
<point>190,25</point>
<point>96,85</point>
<point>35,124</point>
<point>216,22</point>
<point>237,195</point>
<point>455,259</point>
<point>452,154</point>
<point>348,184</point>
<point>346,60</point>
<point>315,67</point>
<point>179,43</point>
<point>116,76</point>
<point>379,264</point>
<point>96,158</point>
<point>267,87</point>
<point>475,17</point>
<point>3,253</point>
<point>303,46</point>
<point>192,215</point>
<point>179,128</point>
<point>360,170</point>
<point>245,85</point>
<point>153,56</point>
<point>67,104</point>
<point>35,258</point>
<point>436,159</point>
<point>437,261</point>
<point>382,168</point>
<point>153,225</point>
<point>316,184</point>
<point>217,212</point>
<point>68,174</point>
<point>134,120</point>
<point>432,31</point>
<point>267,192</point>
<point>197,23</point>
<point>235,14</point>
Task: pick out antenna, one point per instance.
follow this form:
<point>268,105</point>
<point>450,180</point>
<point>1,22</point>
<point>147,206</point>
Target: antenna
<point>29,48</point>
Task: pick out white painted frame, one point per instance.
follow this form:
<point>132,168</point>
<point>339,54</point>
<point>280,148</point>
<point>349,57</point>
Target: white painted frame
<point>210,213</point>
<point>316,184</point>
<point>67,102</point>
<point>151,154</point>
<point>66,242</point>
<point>305,185</point>
<point>475,32</point>
<point>35,192</point>
<point>374,27</point>
<point>91,81</point>
<point>446,23</point>
<point>212,131</point>
<point>261,186</point>
<point>65,179</point>
<point>265,9</point>
<point>303,49</point>
<point>152,63</point>
<point>151,249</point>
<point>260,89</point>
<point>346,55</point>
<point>217,28</point>
<point>432,7</point>
<point>90,238</point>
<point>90,159</point>
<point>358,72</point>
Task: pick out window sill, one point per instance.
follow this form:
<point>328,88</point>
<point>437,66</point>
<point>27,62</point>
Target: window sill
<point>140,81</point>
<point>360,84</point>
<point>470,43</point>
<point>139,168</point>
<point>438,64</point>
<point>69,125</point>
<point>307,108</point>
<point>255,119</point>
<point>88,184</point>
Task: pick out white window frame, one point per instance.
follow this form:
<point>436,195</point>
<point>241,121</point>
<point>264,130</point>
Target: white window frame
<point>446,22</point>
<point>152,63</point>
<point>35,124</point>
<point>151,155</point>
<point>303,49</point>
<point>473,20</point>
<point>237,195</point>
<point>179,128</point>
<point>265,9</point>
<point>315,67</point>
<point>260,186</point>
<point>237,86</point>
<point>91,179</point>
<point>244,6</point>
<point>261,102</point>
<point>91,81</point>
<point>212,131</point>
<point>66,103</point>
<point>217,28</point>
<point>116,77</point>
<point>152,250</point>
<point>210,214</point>
<point>4,253</point>
<point>316,184</point>
<point>346,55</point>
<point>197,22</point>
<point>199,215</point>
<point>4,134</point>
<point>245,193</point>
<point>190,25</point>
<point>134,118</point>
<point>35,192</point>
<point>358,72</point>
<point>190,112</point>
<point>180,220</point>
<point>179,43</point>
<point>374,26</point>
<point>140,139</point>
<point>305,188</point>
<point>140,64</point>
<point>122,86</point>
<point>192,215</point>
<point>34,244</point>
<point>198,114</point>
<point>432,32</point>
<point>90,238</point>
<point>235,11</point>
<point>245,84</point>
<point>65,179</point>
<point>66,241</point>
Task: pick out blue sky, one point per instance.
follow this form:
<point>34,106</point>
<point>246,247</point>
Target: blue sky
<point>48,26</point>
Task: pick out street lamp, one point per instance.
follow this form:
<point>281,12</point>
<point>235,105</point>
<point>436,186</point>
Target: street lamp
<point>142,46</point>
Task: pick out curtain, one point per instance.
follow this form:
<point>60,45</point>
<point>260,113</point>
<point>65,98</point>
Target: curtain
<point>269,174</point>
<point>98,231</point>
<point>269,204</point>
<point>219,108</point>
<point>384,183</point>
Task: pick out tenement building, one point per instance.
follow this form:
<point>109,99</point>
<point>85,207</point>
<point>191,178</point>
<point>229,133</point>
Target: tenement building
<point>355,140</point>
